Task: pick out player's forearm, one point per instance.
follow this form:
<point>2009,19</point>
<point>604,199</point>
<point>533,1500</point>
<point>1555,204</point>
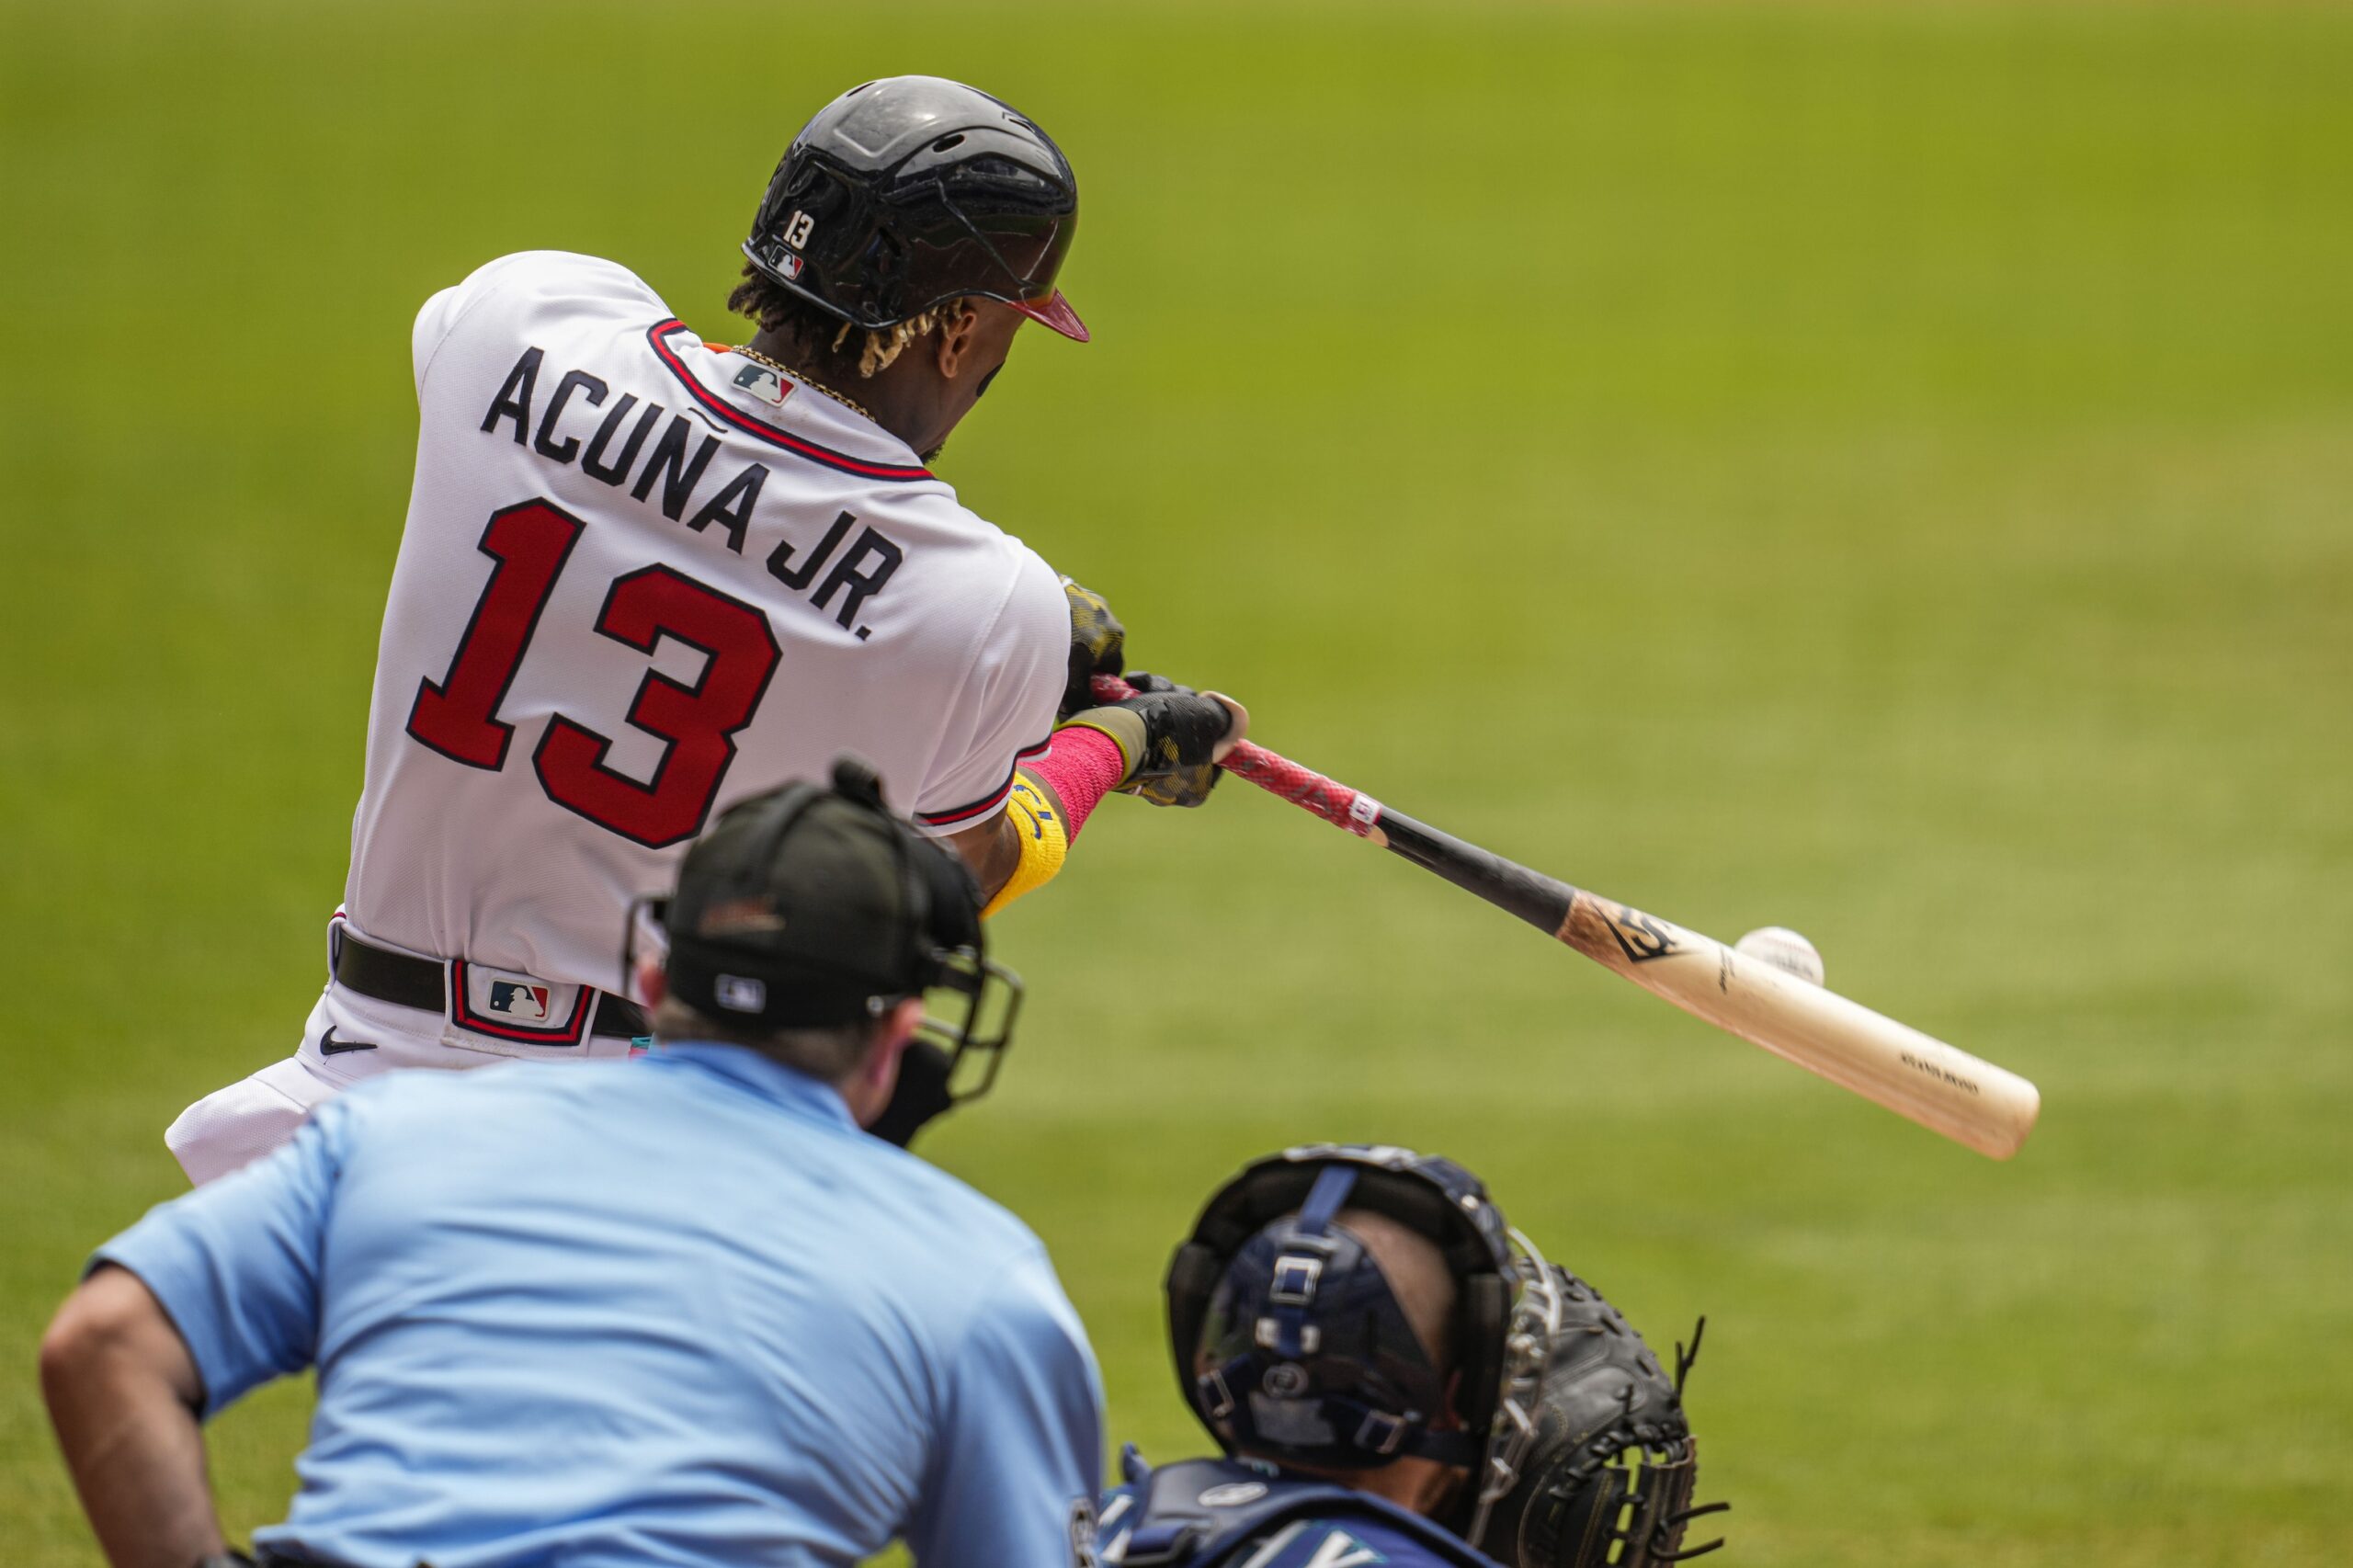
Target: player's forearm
<point>993,851</point>
<point>123,1396</point>
<point>1050,802</point>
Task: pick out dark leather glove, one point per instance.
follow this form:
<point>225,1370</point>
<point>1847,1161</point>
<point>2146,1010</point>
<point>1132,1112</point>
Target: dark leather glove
<point>1170,736</point>
<point>921,1094</point>
<point>1098,645</point>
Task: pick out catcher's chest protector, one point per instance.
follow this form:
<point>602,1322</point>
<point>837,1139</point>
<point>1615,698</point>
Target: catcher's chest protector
<point>1222,1513</point>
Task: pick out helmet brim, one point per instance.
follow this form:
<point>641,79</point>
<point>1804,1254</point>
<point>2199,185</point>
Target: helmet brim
<point>1054,311</point>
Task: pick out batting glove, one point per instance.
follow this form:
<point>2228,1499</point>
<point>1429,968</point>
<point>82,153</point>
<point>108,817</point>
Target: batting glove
<point>1170,736</point>
<point>1098,645</point>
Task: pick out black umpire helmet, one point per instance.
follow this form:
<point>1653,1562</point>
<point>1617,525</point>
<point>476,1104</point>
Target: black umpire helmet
<point>811,907</point>
<point>911,191</point>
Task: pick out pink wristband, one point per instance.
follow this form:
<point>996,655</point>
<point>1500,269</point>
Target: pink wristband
<point>1080,766</point>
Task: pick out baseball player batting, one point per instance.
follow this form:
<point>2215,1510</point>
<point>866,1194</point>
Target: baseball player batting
<point>644,576</point>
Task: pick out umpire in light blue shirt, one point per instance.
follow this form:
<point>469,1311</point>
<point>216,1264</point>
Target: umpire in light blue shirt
<point>673,1311</point>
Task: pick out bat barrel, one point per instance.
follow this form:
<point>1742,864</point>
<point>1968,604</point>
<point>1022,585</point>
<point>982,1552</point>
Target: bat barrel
<point>1916,1075</point>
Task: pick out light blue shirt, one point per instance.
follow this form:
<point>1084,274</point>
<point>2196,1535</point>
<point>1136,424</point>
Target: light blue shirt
<point>677,1310</point>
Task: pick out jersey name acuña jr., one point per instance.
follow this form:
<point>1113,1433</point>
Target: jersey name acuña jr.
<point>643,576</point>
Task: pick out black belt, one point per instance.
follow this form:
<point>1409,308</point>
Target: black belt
<point>407,980</point>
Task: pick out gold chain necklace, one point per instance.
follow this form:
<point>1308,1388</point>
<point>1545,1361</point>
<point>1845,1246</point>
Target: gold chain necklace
<point>805,379</point>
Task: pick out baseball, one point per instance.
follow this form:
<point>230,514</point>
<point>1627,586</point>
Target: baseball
<point>1784,949</point>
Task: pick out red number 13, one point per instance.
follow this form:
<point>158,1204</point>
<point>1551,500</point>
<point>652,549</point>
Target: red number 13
<point>458,715</point>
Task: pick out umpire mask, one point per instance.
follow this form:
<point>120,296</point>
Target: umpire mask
<point>809,907</point>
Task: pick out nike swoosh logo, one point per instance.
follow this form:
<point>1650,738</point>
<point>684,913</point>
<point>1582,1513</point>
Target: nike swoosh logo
<point>330,1046</point>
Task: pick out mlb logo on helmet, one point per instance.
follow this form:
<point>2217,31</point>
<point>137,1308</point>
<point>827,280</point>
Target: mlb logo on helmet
<point>741,994</point>
<point>520,1001</point>
<point>789,264</point>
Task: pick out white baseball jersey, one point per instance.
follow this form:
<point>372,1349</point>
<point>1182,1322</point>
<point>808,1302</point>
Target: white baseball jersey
<point>643,576</point>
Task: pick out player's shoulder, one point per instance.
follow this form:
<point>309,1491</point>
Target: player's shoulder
<point>528,291</point>
<point>555,273</point>
<point>1359,1541</point>
<point>1390,1540</point>
<point>984,598</point>
<point>1237,1511</point>
<point>1032,604</point>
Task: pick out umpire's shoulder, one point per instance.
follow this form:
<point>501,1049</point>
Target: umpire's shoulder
<point>387,1098</point>
<point>954,1218</point>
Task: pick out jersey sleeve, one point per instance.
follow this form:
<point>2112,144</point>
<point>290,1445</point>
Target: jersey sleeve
<point>1007,709</point>
<point>235,1263</point>
<point>1018,1454</point>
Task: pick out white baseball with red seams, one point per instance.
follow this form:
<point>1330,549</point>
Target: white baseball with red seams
<point>641,578</point>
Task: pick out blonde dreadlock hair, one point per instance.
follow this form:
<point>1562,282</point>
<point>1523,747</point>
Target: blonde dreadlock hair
<point>831,347</point>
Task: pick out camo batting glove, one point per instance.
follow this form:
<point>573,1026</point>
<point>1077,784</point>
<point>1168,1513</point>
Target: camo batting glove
<point>1167,735</point>
<point>1098,645</point>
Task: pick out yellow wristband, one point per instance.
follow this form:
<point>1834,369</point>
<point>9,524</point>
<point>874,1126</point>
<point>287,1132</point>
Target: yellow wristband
<point>1044,844</point>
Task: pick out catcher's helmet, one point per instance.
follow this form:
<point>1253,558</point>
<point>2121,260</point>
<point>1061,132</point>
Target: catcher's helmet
<point>1309,1359</point>
<point>907,192</point>
<point>807,907</point>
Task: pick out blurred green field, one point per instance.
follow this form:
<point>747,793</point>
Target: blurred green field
<point>1883,470</point>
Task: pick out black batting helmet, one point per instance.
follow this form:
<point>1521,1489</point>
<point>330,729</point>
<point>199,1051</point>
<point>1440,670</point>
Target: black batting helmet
<point>911,191</point>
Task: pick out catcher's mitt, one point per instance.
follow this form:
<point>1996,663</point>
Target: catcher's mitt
<point>1608,1477</point>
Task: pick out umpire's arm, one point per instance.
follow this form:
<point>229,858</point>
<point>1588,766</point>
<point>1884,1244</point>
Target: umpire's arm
<point>1020,1442</point>
<point>124,1395</point>
<point>208,1297</point>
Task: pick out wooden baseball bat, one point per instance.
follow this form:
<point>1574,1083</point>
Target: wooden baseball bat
<point>1940,1086</point>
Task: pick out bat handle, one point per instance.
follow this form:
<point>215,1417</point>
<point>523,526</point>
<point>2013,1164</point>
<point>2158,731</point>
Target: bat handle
<point>1303,787</point>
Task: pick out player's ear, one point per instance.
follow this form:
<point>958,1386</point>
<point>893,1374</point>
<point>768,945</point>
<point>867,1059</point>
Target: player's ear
<point>959,323</point>
<point>652,981</point>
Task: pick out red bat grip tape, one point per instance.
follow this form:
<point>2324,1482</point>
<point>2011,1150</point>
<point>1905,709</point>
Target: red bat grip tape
<point>1279,776</point>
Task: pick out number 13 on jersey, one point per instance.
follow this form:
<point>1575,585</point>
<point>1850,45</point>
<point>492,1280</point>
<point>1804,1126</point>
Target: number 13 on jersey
<point>458,715</point>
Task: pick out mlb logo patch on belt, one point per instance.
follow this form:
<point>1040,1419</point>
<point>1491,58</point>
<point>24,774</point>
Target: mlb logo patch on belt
<point>515,999</point>
<point>516,1006</point>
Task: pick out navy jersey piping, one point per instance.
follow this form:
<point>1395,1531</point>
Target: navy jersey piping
<point>893,473</point>
<point>987,804</point>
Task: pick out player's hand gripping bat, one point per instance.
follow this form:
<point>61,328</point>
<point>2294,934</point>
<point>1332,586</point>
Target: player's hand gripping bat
<point>1942,1088</point>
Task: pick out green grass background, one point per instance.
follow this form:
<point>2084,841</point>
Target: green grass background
<point>1881,470</point>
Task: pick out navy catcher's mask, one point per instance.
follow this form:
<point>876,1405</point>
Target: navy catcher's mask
<point>1290,1344</point>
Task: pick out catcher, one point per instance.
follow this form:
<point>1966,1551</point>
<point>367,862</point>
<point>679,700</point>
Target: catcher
<point>1397,1377</point>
